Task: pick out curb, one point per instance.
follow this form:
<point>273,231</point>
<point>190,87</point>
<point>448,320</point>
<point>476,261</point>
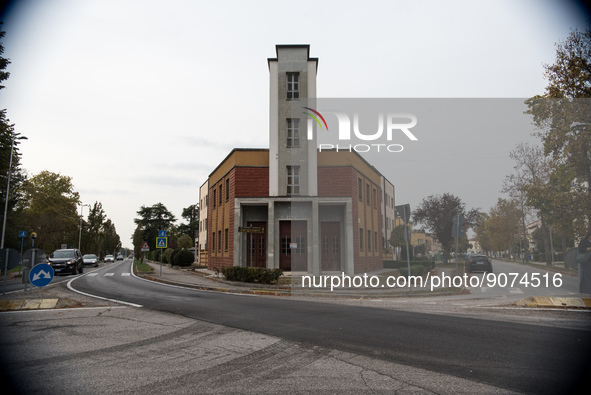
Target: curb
<point>27,304</point>
<point>555,301</point>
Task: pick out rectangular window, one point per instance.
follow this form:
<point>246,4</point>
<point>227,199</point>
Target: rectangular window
<point>360,188</point>
<point>367,194</point>
<point>214,196</point>
<point>219,240</point>
<point>226,239</point>
<point>360,239</point>
<point>369,240</point>
<point>227,189</point>
<point>375,241</point>
<point>220,202</point>
<point>213,242</point>
<point>293,86</point>
<point>293,180</point>
<point>293,132</point>
<point>375,199</point>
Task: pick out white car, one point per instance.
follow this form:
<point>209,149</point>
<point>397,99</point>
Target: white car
<point>109,258</point>
<point>90,259</point>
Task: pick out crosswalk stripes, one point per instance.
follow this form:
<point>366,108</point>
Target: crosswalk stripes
<point>108,274</point>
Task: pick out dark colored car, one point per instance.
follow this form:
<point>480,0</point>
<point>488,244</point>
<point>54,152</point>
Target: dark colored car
<point>66,261</point>
<point>478,263</point>
<point>90,259</point>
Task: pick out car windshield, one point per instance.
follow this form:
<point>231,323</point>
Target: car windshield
<point>90,256</point>
<point>480,258</point>
<point>109,256</point>
<point>63,254</point>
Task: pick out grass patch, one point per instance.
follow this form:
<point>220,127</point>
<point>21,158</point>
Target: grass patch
<point>142,267</point>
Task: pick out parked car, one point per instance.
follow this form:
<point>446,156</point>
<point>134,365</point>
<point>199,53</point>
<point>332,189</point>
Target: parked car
<point>68,260</point>
<point>90,260</point>
<point>109,258</point>
<point>478,263</point>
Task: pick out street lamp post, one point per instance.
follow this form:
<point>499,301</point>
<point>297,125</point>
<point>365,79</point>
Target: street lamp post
<point>80,231</point>
<point>6,206</point>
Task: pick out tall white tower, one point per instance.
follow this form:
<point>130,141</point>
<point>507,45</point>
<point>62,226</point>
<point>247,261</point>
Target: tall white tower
<point>292,157</point>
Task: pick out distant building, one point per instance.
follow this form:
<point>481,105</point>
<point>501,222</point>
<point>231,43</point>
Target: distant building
<point>290,206</point>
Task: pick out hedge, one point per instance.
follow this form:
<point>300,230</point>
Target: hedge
<point>251,274</point>
<point>415,270</point>
<point>390,264</point>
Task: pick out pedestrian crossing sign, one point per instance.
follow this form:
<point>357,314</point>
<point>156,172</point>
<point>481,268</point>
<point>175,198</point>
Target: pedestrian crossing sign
<point>161,242</point>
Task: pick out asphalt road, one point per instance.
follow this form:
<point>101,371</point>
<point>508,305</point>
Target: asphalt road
<point>519,357</point>
<point>512,279</point>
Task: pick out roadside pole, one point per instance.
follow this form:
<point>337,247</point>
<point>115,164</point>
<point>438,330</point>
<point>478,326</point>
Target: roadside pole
<point>161,242</point>
<point>404,212</point>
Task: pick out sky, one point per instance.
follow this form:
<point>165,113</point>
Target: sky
<point>138,101</point>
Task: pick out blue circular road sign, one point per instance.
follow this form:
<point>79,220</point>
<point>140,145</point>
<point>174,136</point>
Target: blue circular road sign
<point>41,275</point>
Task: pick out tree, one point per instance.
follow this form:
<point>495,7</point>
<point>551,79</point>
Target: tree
<point>138,240</point>
<point>436,214</point>
<point>111,242</point>
<point>7,136</point>
<point>185,241</point>
<point>504,225</point>
<point>49,208</point>
<point>4,62</point>
<point>191,215</point>
<point>563,118</point>
<point>153,219</point>
<point>532,173</point>
<point>93,229</point>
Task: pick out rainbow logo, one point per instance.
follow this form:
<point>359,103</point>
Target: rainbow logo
<point>315,118</point>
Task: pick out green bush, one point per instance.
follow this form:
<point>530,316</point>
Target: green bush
<point>390,264</point>
<point>166,258</point>
<point>173,254</point>
<point>415,270</point>
<point>184,258</point>
<point>251,274</point>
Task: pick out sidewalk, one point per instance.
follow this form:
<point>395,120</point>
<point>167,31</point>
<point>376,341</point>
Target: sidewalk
<point>208,280</point>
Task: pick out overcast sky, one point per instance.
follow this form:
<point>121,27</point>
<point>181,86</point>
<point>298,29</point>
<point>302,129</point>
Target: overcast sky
<point>138,101</point>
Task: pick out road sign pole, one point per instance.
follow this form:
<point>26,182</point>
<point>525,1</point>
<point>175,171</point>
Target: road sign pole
<point>457,238</point>
<point>5,271</point>
<point>406,231</point>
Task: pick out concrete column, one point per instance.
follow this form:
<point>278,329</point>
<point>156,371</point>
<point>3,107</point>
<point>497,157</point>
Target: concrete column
<point>348,239</point>
<point>237,235</point>
<point>314,267</point>
<point>272,263</point>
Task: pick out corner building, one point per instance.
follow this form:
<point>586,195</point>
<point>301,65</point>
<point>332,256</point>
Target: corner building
<point>290,206</point>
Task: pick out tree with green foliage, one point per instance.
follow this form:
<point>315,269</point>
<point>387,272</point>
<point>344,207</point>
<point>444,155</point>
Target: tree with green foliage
<point>93,230</point>
<point>185,241</point>
<point>17,177</point>
<point>191,215</point>
<point>436,214</point>
<point>49,208</point>
<point>111,242</point>
<point>138,240</point>
<point>563,119</point>
<point>153,219</point>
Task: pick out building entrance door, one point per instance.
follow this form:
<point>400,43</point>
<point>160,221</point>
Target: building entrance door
<point>256,250</point>
<point>294,251</point>
<point>330,239</point>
